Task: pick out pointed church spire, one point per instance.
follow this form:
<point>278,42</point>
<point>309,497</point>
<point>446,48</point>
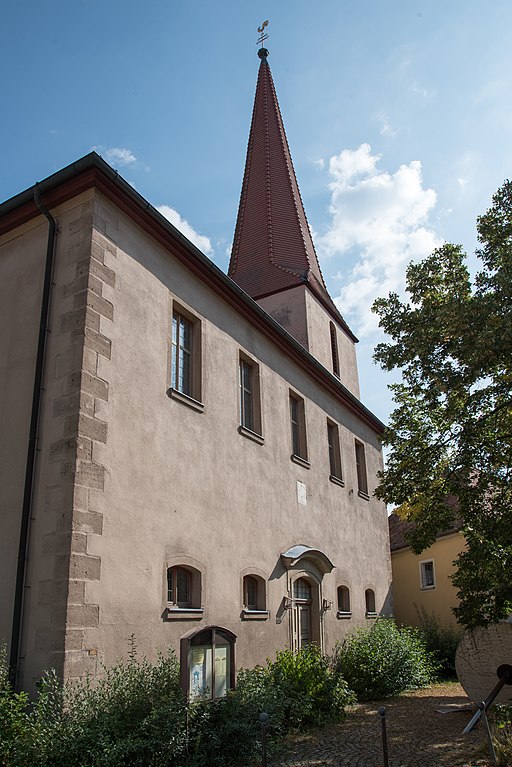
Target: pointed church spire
<point>273,249</point>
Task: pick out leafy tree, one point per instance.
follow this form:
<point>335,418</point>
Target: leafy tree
<point>451,432</point>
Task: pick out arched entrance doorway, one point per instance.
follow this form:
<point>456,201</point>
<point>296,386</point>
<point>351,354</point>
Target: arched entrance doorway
<point>306,567</point>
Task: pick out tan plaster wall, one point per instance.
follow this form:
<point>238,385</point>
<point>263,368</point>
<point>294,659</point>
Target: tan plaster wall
<point>182,484</point>
<point>409,597</point>
<point>304,317</point>
<point>58,565</point>
<point>320,344</point>
<point>22,256</point>
<point>289,309</point>
<point>130,481</point>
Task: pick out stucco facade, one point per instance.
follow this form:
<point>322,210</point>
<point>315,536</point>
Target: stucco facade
<point>422,582</point>
<point>202,469</point>
<point>131,481</point>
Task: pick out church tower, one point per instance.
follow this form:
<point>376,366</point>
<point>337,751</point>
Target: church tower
<point>273,257</point>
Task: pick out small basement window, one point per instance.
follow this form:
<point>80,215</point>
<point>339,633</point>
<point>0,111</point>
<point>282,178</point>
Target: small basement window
<point>343,602</point>
<point>183,593</point>
<point>369,597</point>
<point>254,598</point>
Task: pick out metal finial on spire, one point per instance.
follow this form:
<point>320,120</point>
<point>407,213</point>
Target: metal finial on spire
<point>262,53</point>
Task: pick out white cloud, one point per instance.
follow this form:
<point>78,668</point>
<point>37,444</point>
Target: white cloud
<point>385,129</point>
<point>320,163</point>
<point>425,93</point>
<point>199,240</point>
<point>116,155</point>
<point>381,220</point>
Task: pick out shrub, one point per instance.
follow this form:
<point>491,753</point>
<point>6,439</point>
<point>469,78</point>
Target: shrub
<point>297,689</point>
<point>384,660</point>
<point>12,715</point>
<point>502,734</point>
<point>223,733</point>
<point>136,715</point>
<point>441,641</point>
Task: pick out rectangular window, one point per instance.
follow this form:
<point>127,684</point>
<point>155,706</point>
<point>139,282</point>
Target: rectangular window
<point>298,428</point>
<point>246,395</point>
<point>334,350</point>
<point>427,575</point>
<point>362,481</point>
<point>186,355</point>
<point>333,441</point>
<point>181,375</point>
<point>250,401</point>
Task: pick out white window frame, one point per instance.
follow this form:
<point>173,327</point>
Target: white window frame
<point>250,420</point>
<point>423,584</point>
<point>187,390</point>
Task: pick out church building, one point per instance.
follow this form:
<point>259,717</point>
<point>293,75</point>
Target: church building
<point>184,455</point>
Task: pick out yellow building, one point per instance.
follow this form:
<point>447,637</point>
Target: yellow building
<point>421,582</point>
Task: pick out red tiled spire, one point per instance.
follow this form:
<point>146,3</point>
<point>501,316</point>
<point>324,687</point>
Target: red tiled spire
<point>273,249</point>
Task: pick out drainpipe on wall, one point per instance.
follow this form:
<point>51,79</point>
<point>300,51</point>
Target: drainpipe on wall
<point>17,621</point>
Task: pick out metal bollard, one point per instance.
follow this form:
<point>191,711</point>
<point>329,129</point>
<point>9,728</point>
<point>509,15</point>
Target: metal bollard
<point>382,714</point>
<point>264,725</point>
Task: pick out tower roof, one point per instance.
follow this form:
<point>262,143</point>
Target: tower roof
<point>273,249</point>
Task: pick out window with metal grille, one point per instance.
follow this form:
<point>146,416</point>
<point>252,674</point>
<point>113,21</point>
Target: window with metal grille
<point>302,589</point>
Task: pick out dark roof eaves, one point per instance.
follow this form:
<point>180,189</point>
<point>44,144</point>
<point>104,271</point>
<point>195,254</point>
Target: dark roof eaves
<point>93,160</point>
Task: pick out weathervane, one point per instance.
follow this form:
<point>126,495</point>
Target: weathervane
<point>263,35</point>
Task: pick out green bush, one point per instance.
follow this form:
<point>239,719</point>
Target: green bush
<point>12,715</point>
<point>441,641</point>
<point>136,715</point>
<point>297,689</point>
<point>384,660</point>
<point>223,733</point>
<point>502,733</point>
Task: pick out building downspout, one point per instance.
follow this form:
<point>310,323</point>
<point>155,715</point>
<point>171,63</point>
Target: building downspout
<point>17,621</point>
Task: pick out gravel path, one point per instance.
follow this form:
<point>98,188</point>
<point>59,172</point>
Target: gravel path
<point>418,736</point>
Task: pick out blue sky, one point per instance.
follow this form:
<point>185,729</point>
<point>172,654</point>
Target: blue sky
<point>398,116</point>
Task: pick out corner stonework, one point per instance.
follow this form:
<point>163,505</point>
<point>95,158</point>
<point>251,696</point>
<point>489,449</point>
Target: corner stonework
<point>82,409</point>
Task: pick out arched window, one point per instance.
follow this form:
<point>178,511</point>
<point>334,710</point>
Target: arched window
<point>183,590</point>
<point>207,660</point>
<point>369,596</point>
<point>251,601</point>
<point>179,586</point>
<point>302,589</point>
<point>343,602</point>
<point>254,598</point>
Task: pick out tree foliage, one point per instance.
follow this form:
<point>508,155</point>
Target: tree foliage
<point>451,431</point>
